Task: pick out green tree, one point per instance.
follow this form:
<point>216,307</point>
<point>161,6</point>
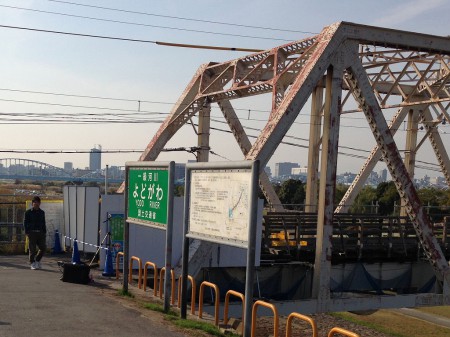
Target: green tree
<point>434,201</point>
<point>366,197</point>
<point>292,191</point>
<point>387,197</point>
<point>341,189</point>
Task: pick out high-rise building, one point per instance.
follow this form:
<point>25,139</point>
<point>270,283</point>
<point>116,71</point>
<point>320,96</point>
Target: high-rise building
<point>284,169</point>
<point>383,175</point>
<point>68,166</point>
<point>95,158</point>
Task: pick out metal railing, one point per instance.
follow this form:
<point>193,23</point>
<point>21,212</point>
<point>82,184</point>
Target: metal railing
<point>11,232</point>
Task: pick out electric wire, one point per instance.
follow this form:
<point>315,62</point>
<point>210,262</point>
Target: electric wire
<point>169,44</point>
<point>146,25</point>
<point>182,18</point>
<point>78,119</point>
<point>133,110</point>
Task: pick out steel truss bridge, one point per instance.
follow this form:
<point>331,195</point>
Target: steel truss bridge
<point>26,169</point>
<point>346,68</point>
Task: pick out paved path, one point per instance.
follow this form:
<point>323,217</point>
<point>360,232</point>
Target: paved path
<point>424,316</point>
<point>37,303</point>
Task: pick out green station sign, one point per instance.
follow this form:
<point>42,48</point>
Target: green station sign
<point>148,195</point>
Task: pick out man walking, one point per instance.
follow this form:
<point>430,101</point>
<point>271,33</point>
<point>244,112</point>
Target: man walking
<point>36,231</point>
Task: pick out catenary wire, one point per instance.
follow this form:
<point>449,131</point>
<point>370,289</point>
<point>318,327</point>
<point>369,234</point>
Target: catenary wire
<point>147,25</point>
<point>182,18</point>
<point>168,44</point>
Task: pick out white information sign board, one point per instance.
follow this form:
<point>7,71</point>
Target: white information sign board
<point>220,205</point>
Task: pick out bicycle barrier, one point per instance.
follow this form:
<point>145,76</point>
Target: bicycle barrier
<point>216,302</point>
<point>193,286</point>
<point>118,264</point>
<point>162,275</point>
<point>130,274</point>
<point>226,304</point>
<point>155,276</point>
<point>275,316</point>
<point>303,318</point>
<point>341,331</point>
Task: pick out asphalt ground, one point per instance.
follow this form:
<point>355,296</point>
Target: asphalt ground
<point>37,303</point>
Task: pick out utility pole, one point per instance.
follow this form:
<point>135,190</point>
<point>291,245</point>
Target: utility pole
<point>106,180</point>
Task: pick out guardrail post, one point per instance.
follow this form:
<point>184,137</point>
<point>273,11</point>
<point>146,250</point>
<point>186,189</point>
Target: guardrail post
<point>130,274</point>
<point>193,292</point>
<point>341,331</point>
<point>162,273</point>
<point>275,316</point>
<point>155,276</point>
<point>118,264</point>
<point>227,301</point>
<point>216,302</point>
<point>304,318</point>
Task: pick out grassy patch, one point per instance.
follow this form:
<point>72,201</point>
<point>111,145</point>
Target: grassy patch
<point>159,308</point>
<point>361,320</point>
<point>172,316</point>
<point>125,293</point>
<point>396,324</point>
<point>196,325</point>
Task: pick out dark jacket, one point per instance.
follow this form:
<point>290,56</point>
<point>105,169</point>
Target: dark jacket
<point>34,221</point>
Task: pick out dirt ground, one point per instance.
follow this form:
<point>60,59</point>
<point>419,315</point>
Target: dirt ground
<point>325,322</point>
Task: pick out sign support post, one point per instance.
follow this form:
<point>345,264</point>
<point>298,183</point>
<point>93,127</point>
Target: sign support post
<point>149,202</point>
<point>250,273</point>
<point>169,233</point>
<point>221,206</point>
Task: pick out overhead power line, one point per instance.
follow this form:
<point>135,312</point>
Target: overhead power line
<point>147,25</point>
<point>160,43</point>
<point>66,151</point>
<point>183,18</point>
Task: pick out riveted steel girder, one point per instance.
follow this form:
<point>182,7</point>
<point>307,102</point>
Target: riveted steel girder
<point>364,96</point>
<point>373,158</point>
<point>376,68</point>
<point>330,139</point>
<point>245,145</point>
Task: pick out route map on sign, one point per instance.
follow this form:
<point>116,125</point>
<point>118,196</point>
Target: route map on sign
<point>219,204</point>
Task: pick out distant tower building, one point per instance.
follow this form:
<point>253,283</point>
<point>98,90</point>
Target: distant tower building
<point>95,158</point>
<point>283,169</point>
<point>68,166</point>
<point>383,175</point>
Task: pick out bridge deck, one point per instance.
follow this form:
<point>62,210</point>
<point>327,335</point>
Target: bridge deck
<point>356,237</point>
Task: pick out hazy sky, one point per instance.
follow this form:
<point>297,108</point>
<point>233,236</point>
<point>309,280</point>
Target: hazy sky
<point>45,77</point>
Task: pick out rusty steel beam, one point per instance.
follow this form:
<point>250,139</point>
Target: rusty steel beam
<point>368,166</point>
<point>363,94</point>
<point>281,119</point>
<point>315,141</point>
<point>245,145</point>
<point>330,140</point>
<point>379,68</point>
<point>437,144</point>
<point>412,130</point>
<point>204,129</point>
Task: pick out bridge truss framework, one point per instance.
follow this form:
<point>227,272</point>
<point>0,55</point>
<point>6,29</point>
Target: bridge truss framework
<point>370,67</point>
